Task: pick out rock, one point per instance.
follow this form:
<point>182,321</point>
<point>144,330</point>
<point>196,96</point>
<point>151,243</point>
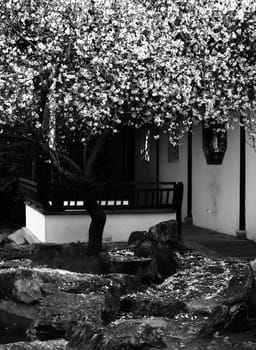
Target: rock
<point>62,280</point>
<point>86,333</point>
<point>232,313</point>
<point>156,244</point>
<point>128,334</point>
<point>130,265</point>
<point>21,285</point>
<point>202,306</point>
<point>26,311</point>
<point>30,285</point>
<point>59,344</point>
<point>165,232</point>
<point>142,305</point>
<point>252,296</point>
<point>91,283</point>
<point>11,251</point>
<point>239,288</point>
<point>124,283</point>
<point>143,249</point>
<point>58,312</point>
<point>153,269</point>
<point>3,236</point>
<point>23,236</point>
<point>226,319</point>
<point>158,247</point>
<point>138,236</point>
<point>15,264</point>
<point>26,287</point>
<point>163,262</point>
<point>140,243</point>
<point>132,334</point>
<point>116,283</point>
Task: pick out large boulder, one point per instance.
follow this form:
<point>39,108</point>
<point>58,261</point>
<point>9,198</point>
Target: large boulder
<point>140,243</point>
<point>165,232</point>
<point>226,319</point>
<point>157,244</point>
<point>21,285</point>
<point>122,334</point>
<point>231,315</point>
<point>30,285</point>
<point>163,263</point>
<point>136,236</point>
<point>59,311</point>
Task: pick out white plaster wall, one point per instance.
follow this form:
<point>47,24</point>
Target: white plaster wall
<point>67,228</point>
<point>35,222</point>
<point>251,192</point>
<point>215,188</point>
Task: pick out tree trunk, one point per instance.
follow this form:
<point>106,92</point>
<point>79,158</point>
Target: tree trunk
<point>72,173</point>
<point>98,218</point>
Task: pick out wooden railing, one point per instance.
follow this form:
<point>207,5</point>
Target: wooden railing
<point>62,197</point>
<point>144,195</point>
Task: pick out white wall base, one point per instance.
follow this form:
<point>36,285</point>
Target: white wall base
<point>73,227</point>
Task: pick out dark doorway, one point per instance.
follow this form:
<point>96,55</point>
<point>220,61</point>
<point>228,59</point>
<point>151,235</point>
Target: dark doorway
<point>116,164</point>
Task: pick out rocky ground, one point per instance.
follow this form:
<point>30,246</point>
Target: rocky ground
<point>135,302</point>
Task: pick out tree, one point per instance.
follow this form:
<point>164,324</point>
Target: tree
<point>75,71</point>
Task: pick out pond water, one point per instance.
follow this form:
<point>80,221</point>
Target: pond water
<point>13,328</point>
<point>71,257</point>
<point>80,263</point>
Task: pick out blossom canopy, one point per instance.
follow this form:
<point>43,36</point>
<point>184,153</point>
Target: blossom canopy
<point>94,65</point>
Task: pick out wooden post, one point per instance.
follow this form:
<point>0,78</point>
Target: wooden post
<point>188,218</point>
<point>241,233</point>
<point>157,167</point>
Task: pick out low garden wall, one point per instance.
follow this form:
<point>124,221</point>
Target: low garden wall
<point>73,226</point>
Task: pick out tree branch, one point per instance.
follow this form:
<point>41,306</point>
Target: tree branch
<point>24,38</point>
<point>65,173</point>
<point>70,162</point>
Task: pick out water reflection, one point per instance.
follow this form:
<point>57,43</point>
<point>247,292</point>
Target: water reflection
<point>13,328</point>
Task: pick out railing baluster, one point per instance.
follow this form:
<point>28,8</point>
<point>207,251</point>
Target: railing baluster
<point>152,197</point>
<point>146,198</point>
<point>137,197</point>
<point>167,196</point>
<point>161,197</point>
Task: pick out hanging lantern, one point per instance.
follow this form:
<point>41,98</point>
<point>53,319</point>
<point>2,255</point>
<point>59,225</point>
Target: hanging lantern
<point>214,143</point>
